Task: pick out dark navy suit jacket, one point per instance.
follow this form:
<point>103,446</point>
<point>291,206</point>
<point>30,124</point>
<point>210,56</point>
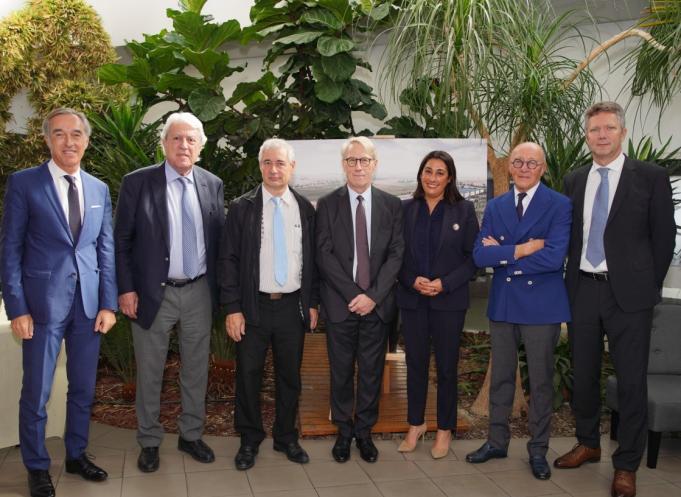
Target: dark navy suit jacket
<point>530,290</point>
<point>41,264</point>
<point>142,235</point>
<point>453,263</point>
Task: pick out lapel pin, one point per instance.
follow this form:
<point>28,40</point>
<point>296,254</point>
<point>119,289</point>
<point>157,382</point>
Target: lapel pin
<point>501,237</point>
<point>455,226</point>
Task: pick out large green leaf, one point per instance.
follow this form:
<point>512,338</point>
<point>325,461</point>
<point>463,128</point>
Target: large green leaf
<point>165,58</point>
<point>273,29</point>
<point>206,61</point>
<point>206,104</point>
<point>329,46</point>
<point>113,74</point>
<point>200,33</point>
<point>340,67</point>
<point>375,110</point>
<point>328,90</point>
<point>193,5</point>
<point>380,12</point>
<point>339,7</point>
<point>140,74</point>
<point>322,16</point>
<point>299,38</point>
<point>181,81</point>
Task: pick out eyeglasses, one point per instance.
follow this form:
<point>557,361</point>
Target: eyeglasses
<point>531,164</point>
<point>279,164</point>
<point>362,161</point>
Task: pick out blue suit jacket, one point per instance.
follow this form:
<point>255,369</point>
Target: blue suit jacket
<point>530,290</point>
<point>40,262</point>
<point>453,263</point>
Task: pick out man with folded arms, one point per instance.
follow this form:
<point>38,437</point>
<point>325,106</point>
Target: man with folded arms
<point>524,237</point>
<point>167,231</point>
<point>269,288</point>
<point>59,284</point>
<point>621,245</point>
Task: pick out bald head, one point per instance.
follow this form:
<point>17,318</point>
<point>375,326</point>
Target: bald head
<point>526,165</point>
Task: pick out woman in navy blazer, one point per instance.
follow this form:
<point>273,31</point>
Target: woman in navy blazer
<point>440,228</point>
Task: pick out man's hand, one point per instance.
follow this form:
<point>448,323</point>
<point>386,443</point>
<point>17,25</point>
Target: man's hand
<point>434,287</point>
<point>236,325</point>
<point>528,248</point>
<point>127,302</point>
<point>104,321</point>
<point>488,241</point>
<point>361,305</point>
<point>421,285</point>
<point>314,318</point>
<point>22,327</point>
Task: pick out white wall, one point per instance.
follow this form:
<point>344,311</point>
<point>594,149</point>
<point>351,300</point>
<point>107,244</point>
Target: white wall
<point>128,19</point>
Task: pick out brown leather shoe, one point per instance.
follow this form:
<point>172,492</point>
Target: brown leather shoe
<point>578,456</point>
<point>623,484</point>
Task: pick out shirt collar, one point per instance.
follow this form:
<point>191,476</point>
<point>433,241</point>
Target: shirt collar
<point>615,165</point>
<point>172,175</point>
<point>530,192</point>
<point>58,172</point>
<point>366,194</point>
<point>286,197</point>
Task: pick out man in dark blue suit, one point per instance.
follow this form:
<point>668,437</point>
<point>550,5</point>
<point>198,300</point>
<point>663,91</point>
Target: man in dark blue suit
<point>167,230</point>
<point>524,237</point>
<point>56,252</point>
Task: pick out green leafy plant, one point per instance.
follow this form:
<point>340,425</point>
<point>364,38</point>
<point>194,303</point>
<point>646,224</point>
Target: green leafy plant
<point>562,156</point>
<point>645,151</point>
<point>117,349</point>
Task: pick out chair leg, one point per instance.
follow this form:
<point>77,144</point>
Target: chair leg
<point>614,424</point>
<point>654,439</point>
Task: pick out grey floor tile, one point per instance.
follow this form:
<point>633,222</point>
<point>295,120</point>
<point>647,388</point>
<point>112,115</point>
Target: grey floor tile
<point>362,490</point>
<point>79,488</point>
<point>99,429</point>
<point>13,454</point>
<point>278,478</point>
<point>289,493</point>
<point>446,467</point>
<point>422,488</point>
<point>318,450</point>
<point>387,450</point>
<point>165,485</point>
<point>521,483</point>
<point>222,461</point>
<point>17,491</point>
<point>580,480</point>
<point>658,490</point>
<point>218,483</point>
<point>392,470</point>
<point>503,464</point>
<point>422,453</point>
<point>13,474</point>
<point>469,486</point>
<point>117,438</point>
<point>643,475</point>
<point>331,474</point>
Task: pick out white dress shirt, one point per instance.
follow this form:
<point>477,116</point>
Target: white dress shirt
<point>174,188</point>
<point>592,182</point>
<point>294,243</point>
<point>366,196</point>
<point>528,197</point>
<point>62,186</point>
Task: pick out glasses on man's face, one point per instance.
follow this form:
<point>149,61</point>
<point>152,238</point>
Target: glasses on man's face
<point>362,161</point>
<point>531,164</point>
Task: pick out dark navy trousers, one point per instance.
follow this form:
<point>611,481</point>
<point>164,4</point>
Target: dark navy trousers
<point>39,360</point>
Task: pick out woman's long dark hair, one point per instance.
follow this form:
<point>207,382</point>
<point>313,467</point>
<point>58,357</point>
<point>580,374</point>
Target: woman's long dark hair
<point>451,194</point>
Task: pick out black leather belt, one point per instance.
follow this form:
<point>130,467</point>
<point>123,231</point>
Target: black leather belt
<point>595,276</point>
<point>277,296</point>
<point>181,283</point>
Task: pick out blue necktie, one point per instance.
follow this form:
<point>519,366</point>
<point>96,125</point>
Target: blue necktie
<point>595,253</point>
<point>279,239</point>
<point>190,256</point>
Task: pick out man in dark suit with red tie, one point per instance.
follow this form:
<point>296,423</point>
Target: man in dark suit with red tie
<point>621,244</point>
<point>359,253</point>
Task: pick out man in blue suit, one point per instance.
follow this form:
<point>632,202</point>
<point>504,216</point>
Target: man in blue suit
<point>59,283</point>
<point>524,237</point>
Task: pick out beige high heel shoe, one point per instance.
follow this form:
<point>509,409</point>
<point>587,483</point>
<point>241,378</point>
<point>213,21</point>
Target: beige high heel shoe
<point>420,433</point>
<point>440,449</point>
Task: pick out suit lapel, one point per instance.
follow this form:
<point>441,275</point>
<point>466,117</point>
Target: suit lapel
<point>449,217</point>
<point>509,216</point>
<point>410,222</point>
<point>345,216</point>
<point>88,199</point>
<point>538,206</point>
<point>377,214</point>
<point>623,186</point>
<point>53,198</point>
<point>578,195</point>
<point>203,193</point>
<point>158,186</point>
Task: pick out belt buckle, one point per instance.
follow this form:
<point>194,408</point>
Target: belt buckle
<point>276,296</point>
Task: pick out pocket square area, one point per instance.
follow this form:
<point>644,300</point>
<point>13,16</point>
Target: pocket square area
<point>95,206</point>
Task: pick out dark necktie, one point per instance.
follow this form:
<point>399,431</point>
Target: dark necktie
<point>74,208</point>
<point>519,207</point>
<point>362,246</point>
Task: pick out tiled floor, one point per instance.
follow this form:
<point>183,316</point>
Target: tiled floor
<point>394,475</point>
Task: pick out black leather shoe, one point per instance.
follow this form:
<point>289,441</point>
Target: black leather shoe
<point>367,449</point>
<point>86,468</point>
<point>294,452</point>
<point>148,460</point>
<point>341,449</point>
<point>485,453</point>
<point>40,483</point>
<point>197,449</point>
<point>245,458</point>
<point>540,467</point>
